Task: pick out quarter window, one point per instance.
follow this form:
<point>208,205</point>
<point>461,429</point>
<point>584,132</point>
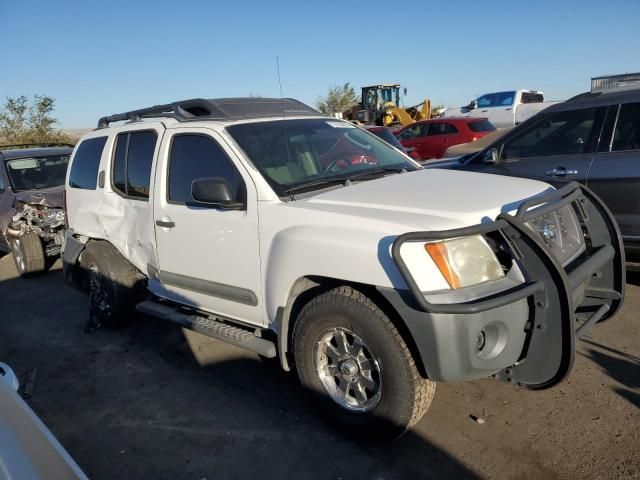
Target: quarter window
<point>197,156</point>
<point>86,162</point>
<point>563,133</point>
<point>627,133</point>
<point>132,161</point>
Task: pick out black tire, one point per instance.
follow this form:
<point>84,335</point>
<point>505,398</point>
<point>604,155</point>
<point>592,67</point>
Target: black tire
<point>402,397</point>
<point>114,285</point>
<point>28,254</point>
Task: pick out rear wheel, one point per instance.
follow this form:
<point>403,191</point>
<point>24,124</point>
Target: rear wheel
<point>28,254</point>
<point>113,284</point>
<point>355,362</point>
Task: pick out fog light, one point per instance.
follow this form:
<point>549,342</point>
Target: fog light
<point>491,341</point>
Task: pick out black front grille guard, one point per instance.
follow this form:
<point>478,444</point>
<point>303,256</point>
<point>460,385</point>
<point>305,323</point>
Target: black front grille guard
<point>549,287</point>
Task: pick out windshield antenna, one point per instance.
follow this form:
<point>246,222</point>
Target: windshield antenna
<point>280,84</point>
<point>284,117</point>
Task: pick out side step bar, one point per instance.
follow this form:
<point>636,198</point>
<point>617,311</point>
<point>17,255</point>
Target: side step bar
<point>238,336</point>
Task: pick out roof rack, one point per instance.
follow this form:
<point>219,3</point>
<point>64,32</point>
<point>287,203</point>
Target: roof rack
<point>13,146</point>
<point>224,109</point>
<point>615,83</point>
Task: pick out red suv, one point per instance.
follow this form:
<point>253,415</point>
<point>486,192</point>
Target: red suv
<point>431,138</point>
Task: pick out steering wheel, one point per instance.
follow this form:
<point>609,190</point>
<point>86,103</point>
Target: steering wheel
<point>343,162</point>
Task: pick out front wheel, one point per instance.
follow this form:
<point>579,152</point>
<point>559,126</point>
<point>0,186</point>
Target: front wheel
<point>28,254</point>
<point>355,362</point>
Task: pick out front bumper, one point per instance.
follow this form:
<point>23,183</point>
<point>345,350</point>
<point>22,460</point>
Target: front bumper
<point>526,333</point>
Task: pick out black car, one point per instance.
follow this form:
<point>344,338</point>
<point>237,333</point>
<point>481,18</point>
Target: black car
<point>31,204</point>
<point>593,138</point>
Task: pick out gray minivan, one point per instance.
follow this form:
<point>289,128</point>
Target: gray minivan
<point>593,138</point>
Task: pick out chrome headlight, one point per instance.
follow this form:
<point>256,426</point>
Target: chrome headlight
<point>465,261</point>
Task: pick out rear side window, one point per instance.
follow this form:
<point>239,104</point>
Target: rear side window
<point>481,126</point>
<point>132,161</point>
<point>198,156</point>
<point>84,171</point>
<point>532,97</point>
<point>563,133</point>
<point>441,129</point>
<point>626,135</point>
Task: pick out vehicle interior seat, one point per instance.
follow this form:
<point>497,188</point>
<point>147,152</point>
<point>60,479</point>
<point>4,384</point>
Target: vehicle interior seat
<point>280,164</point>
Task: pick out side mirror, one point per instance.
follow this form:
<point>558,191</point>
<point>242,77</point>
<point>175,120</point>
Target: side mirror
<point>490,156</point>
<point>473,105</point>
<point>8,377</point>
<point>215,192</point>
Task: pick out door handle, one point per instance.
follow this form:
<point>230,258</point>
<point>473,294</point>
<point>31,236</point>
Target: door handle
<point>561,172</point>
<point>165,222</point>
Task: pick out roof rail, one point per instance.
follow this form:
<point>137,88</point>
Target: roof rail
<point>13,146</point>
<point>223,109</point>
<point>615,83</point>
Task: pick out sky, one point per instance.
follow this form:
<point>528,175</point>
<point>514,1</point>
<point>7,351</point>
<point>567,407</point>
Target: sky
<point>99,58</point>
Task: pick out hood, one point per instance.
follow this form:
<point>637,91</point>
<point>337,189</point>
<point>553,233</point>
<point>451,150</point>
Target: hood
<point>443,163</point>
<point>49,197</point>
<point>429,199</point>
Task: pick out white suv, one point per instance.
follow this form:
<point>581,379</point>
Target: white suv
<point>262,223</point>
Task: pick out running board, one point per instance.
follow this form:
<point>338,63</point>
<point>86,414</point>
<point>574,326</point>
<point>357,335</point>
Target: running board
<point>241,337</point>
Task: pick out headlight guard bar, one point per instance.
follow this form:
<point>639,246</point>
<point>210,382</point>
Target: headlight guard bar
<point>603,232</point>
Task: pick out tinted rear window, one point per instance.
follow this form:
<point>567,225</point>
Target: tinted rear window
<point>627,132</point>
<point>84,171</point>
<point>131,172</point>
<point>481,126</point>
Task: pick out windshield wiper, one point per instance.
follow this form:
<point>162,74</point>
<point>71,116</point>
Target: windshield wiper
<point>374,172</point>
<point>303,186</point>
<point>344,179</point>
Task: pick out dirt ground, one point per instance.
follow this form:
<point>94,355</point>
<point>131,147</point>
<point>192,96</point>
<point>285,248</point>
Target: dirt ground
<point>147,401</point>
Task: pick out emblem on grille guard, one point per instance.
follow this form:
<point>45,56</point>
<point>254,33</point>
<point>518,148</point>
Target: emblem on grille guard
<point>549,231</point>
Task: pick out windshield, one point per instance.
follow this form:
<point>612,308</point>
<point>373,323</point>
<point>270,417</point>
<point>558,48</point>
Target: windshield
<point>498,99</point>
<point>318,152</point>
<point>35,173</point>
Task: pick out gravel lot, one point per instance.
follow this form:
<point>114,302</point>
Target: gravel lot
<point>149,401</point>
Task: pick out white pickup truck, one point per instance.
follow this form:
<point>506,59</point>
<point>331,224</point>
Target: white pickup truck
<point>261,223</point>
<point>503,109</point>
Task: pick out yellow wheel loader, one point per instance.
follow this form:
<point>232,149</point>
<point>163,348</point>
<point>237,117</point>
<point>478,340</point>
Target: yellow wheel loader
<point>380,105</point>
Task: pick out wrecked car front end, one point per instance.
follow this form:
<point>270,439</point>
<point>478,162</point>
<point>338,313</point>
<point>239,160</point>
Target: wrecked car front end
<point>39,215</point>
<point>32,218</point>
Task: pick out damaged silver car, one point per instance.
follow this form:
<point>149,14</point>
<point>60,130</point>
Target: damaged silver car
<point>32,218</point>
